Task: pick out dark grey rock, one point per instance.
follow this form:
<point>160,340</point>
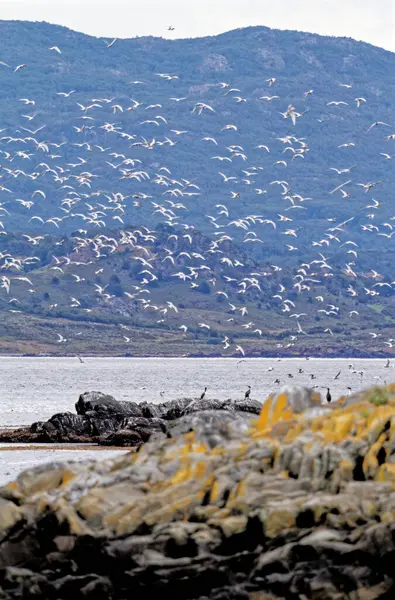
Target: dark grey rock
<point>101,418</point>
<point>66,422</point>
<point>98,402</point>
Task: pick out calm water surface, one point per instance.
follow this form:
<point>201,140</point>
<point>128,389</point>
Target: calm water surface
<point>33,389</point>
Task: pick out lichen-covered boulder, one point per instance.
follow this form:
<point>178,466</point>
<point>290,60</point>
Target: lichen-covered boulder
<point>287,402</point>
<point>210,423</point>
<point>234,509</point>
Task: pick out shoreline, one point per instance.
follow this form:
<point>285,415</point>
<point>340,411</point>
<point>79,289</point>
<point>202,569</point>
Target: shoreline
<point>239,358</point>
<point>102,421</point>
<point>205,510</point>
<point>56,446</point>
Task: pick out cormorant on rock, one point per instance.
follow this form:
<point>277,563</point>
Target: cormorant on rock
<point>203,393</point>
<point>248,392</point>
<point>328,395</point>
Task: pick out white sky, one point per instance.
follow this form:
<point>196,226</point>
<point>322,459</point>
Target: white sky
<point>368,20</point>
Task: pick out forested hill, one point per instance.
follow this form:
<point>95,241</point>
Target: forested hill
<point>244,58</point>
<point>255,151</point>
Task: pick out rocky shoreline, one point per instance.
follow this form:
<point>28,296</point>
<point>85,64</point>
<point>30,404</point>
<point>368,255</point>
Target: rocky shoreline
<point>101,419</point>
<point>295,503</point>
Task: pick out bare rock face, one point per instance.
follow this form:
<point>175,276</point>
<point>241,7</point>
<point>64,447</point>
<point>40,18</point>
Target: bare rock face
<point>61,424</point>
<point>214,62</point>
<point>102,419</point>
<point>98,402</point>
<point>299,509</point>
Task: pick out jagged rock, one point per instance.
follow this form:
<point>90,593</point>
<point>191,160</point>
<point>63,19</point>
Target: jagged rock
<point>102,419</point>
<point>222,512</point>
<point>150,411</point>
<point>9,514</point>
<point>174,408</point>
<point>132,409</point>
<point>134,431</point>
<point>287,402</point>
<point>249,406</point>
<point>125,437</point>
<point>98,402</point>
<point>65,422</point>
<point>210,423</point>
<point>142,424</point>
<point>206,404</point>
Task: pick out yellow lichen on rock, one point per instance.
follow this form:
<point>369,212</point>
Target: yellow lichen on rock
<point>284,405</point>
<point>67,515</point>
<point>9,514</point>
<point>274,409</point>
<point>386,473</point>
<point>364,419</point>
<point>336,428</point>
<point>278,519</point>
<point>295,451</point>
<point>371,463</point>
<point>67,477</point>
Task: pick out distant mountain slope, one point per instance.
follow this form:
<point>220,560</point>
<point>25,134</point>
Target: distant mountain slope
<point>245,58</point>
<point>191,144</point>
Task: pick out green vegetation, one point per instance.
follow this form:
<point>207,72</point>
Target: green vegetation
<point>378,396</point>
<point>87,283</point>
<point>378,308</point>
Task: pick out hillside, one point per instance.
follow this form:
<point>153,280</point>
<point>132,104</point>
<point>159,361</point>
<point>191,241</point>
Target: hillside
<point>185,189</point>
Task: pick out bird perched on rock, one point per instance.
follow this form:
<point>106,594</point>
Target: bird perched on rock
<point>328,396</point>
<point>203,393</point>
<point>248,392</point>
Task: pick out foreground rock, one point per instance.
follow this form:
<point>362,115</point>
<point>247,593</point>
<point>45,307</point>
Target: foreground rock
<point>289,505</point>
<point>102,419</point>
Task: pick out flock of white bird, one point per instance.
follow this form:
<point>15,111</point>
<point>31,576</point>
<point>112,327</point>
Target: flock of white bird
<point>85,200</point>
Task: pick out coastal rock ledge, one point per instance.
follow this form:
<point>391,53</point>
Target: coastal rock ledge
<point>297,503</point>
<point>104,420</point>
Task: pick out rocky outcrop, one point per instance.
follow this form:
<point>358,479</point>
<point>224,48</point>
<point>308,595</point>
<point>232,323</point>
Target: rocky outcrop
<point>286,505</point>
<point>102,419</point>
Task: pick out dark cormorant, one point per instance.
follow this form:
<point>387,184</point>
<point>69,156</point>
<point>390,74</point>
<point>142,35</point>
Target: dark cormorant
<point>277,381</point>
<point>328,395</point>
<point>203,393</point>
<point>248,392</point>
<point>388,364</point>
